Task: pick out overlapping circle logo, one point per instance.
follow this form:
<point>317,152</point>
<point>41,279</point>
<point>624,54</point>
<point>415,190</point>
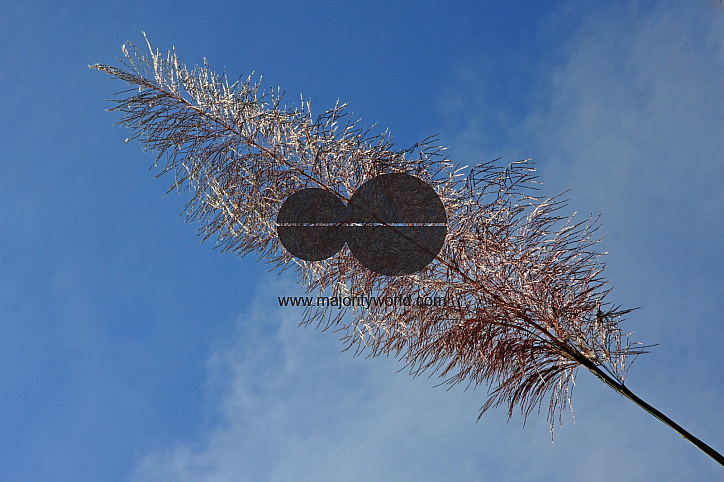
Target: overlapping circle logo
<point>394,224</point>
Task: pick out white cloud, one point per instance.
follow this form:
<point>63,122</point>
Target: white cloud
<point>293,407</point>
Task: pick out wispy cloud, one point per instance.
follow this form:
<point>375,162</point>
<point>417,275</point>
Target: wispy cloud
<point>293,407</point>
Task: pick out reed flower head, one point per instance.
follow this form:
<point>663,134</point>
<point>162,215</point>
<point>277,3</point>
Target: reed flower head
<point>524,297</point>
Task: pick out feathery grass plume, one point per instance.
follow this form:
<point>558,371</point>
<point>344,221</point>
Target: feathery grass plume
<point>521,288</point>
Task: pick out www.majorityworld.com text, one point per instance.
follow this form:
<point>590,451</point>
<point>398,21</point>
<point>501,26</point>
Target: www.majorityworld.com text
<point>364,301</point>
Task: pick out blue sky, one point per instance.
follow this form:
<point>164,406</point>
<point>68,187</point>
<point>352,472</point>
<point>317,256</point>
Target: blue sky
<point>130,351</point>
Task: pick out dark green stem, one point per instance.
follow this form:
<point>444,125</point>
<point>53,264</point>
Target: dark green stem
<point>623,390</point>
